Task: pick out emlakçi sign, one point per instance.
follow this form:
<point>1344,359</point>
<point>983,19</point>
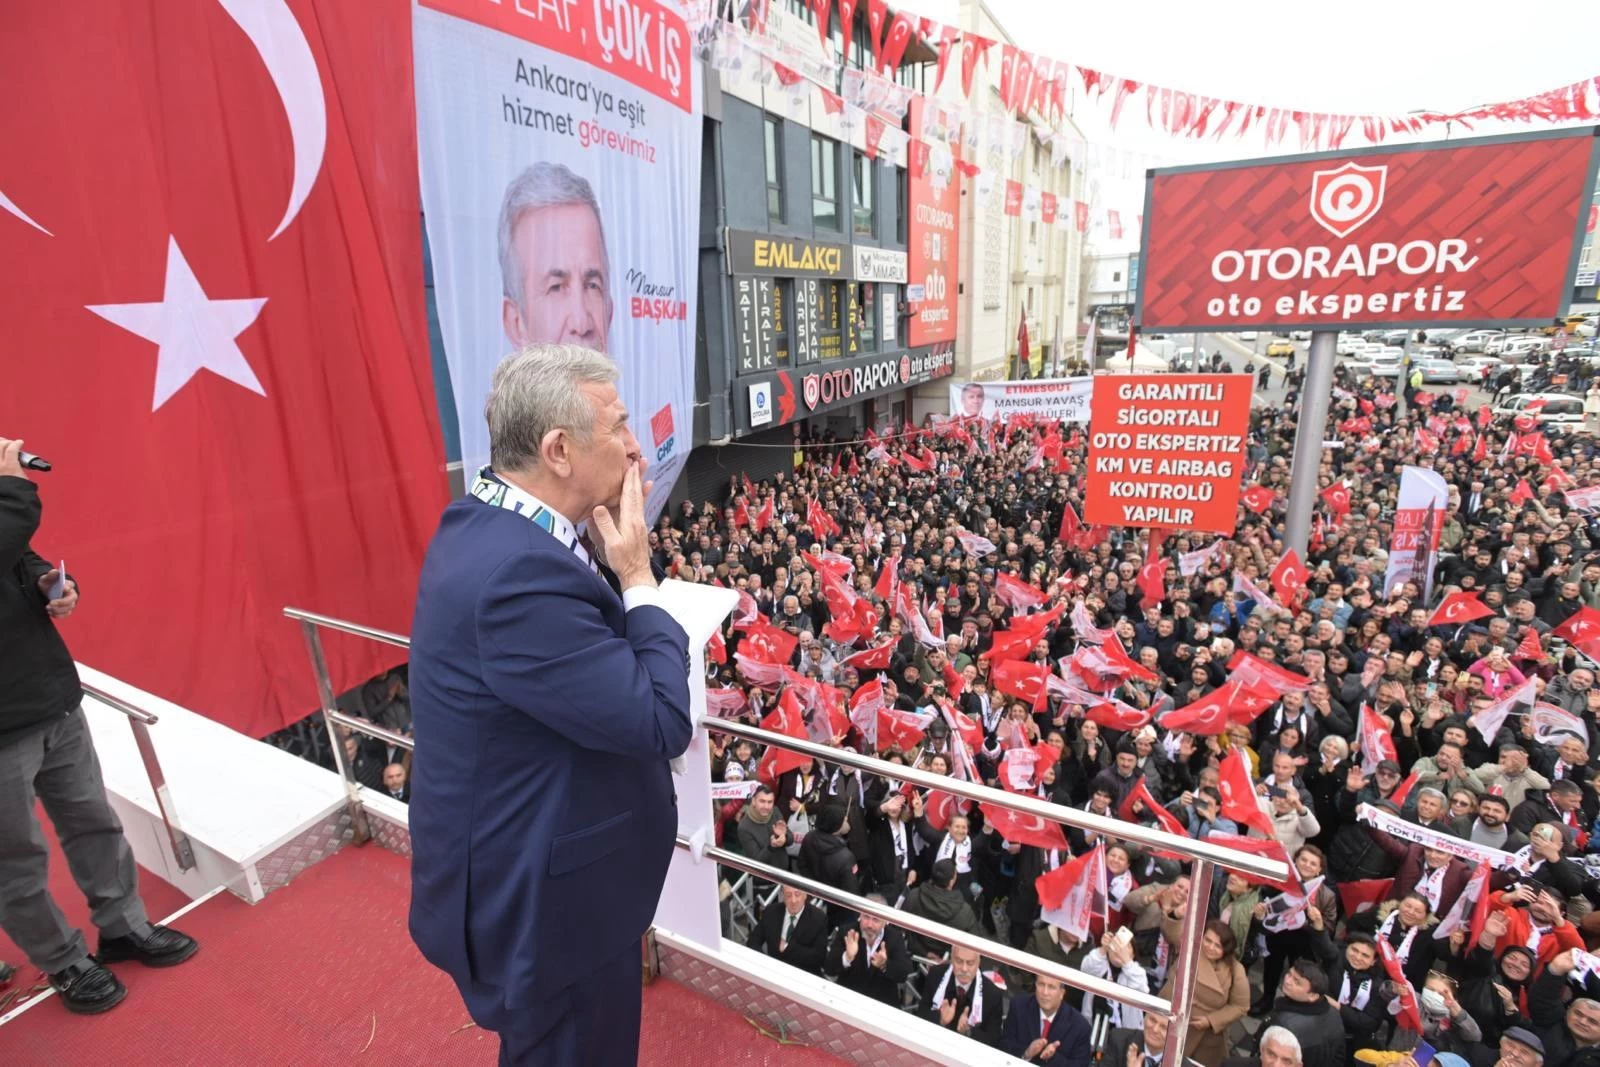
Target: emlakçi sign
<point>1483,232</point>
<point>788,257</point>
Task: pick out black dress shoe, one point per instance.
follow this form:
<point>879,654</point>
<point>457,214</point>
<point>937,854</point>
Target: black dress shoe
<point>87,988</point>
<point>161,947</point>
<point>6,972</point>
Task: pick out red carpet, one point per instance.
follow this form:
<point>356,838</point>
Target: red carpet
<point>323,972</point>
<point>160,900</point>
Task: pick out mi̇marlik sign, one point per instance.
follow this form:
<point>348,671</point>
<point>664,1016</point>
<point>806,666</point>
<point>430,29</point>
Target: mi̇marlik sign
<point>1483,232</point>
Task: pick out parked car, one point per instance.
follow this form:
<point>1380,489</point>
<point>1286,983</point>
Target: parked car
<point>1560,409</point>
<point>1248,335</point>
<point>1473,366</point>
<point>1588,327</point>
<point>1299,335</point>
<point>1524,346</point>
<point>1280,348</point>
<point>1395,337</point>
<point>1349,344</point>
<point>1474,340</point>
<point>1438,371</point>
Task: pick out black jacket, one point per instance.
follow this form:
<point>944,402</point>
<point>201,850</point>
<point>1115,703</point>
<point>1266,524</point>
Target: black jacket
<point>987,1031</point>
<point>1317,1025</point>
<point>807,943</point>
<point>881,984</point>
<point>38,680</point>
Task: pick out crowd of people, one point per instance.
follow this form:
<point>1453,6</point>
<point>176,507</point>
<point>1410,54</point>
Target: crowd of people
<point>933,597</point>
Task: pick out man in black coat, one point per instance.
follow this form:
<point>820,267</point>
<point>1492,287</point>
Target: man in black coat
<point>957,997</point>
<point>1303,1009</point>
<point>792,931</point>
<point>870,957</point>
<point>826,858</point>
<point>46,752</point>
<point>1041,1029</point>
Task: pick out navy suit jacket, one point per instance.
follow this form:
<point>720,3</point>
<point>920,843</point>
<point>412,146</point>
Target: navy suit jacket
<point>1068,1027</point>
<point>542,812</point>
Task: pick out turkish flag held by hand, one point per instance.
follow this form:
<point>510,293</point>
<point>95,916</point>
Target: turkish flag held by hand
<point>1289,577</point>
<point>1239,793</point>
<point>1023,829</point>
<point>1268,848</point>
<point>1337,497</point>
<point>1153,582</point>
<point>1118,716</point>
<point>1140,794</point>
<point>1258,498</point>
<point>1459,608</point>
<point>787,719</point>
<point>1025,681</point>
<point>1530,648</point>
<point>1206,717</point>
<point>226,312</point>
<point>1408,1016</point>
<point>1522,492</point>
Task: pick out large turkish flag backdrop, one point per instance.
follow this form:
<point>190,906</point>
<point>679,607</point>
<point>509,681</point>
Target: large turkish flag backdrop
<point>211,281</point>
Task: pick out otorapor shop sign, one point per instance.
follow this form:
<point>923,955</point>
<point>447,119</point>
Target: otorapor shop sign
<point>1483,232</point>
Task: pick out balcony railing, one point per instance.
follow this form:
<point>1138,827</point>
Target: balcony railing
<point>140,722</point>
<point>1206,857</point>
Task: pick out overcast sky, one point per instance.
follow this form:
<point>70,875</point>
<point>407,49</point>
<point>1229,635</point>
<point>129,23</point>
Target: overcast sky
<point>1349,56</point>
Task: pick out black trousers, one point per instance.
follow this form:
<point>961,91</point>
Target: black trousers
<point>592,1023</point>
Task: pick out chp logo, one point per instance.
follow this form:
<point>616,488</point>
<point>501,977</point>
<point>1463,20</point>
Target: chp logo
<point>661,428</point>
<point>1347,197</point>
<point>812,386</point>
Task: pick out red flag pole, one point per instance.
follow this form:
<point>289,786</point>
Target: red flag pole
<point>1133,332</point>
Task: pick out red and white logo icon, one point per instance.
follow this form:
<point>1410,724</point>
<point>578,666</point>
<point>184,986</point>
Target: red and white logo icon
<point>1343,199</point>
<point>812,389</point>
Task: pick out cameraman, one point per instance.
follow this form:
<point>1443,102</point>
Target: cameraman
<point>46,753</point>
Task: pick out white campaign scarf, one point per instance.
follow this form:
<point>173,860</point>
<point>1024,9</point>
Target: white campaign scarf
<point>974,1013</point>
<point>1404,951</point>
<point>1431,886</point>
<point>1395,826</point>
<point>897,831</point>
<point>1117,888</point>
<point>490,489</point>
<point>861,787</point>
<point>1362,991</point>
<point>961,852</point>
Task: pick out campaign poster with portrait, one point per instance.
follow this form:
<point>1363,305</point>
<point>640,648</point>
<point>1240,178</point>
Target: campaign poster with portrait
<point>1064,399</point>
<point>560,161</point>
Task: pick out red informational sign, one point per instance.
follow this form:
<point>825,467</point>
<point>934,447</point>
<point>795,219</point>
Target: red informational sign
<point>931,255</point>
<point>1482,232</point>
<point>1167,450</point>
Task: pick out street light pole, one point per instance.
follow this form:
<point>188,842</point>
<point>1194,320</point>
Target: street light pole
<point>1311,426</point>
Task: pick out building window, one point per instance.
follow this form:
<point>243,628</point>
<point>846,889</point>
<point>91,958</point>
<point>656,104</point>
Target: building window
<point>774,170</point>
<point>867,315</point>
<point>1116,276</point>
<point>824,182</point>
<point>902,204</point>
<point>831,312</point>
<point>863,196</point>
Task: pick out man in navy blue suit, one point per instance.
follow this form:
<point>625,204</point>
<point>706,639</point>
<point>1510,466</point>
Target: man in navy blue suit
<point>549,690</point>
<point>1041,1029</point>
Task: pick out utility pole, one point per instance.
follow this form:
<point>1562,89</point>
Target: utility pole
<point>1311,424</point>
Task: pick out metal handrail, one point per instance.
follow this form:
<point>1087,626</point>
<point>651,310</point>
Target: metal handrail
<point>140,721</point>
<point>367,726</point>
<point>936,931</point>
<point>136,713</point>
<point>1227,858</point>
<point>328,622</point>
<point>1206,856</point>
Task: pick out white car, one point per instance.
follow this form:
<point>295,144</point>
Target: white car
<point>1474,366</point>
<point>1349,345</point>
<point>1523,346</point>
<point>1391,352</point>
<point>1248,335</point>
<point>1369,348</point>
<point>1299,335</point>
<point>1560,409</point>
<point>1588,327</point>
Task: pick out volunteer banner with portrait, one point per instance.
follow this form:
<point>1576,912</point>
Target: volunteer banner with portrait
<point>1066,399</point>
<point>560,159</point>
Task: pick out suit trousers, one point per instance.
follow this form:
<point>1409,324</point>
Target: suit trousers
<point>592,1023</point>
<point>58,766</point>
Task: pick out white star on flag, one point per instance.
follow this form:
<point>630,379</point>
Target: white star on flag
<point>192,332</point>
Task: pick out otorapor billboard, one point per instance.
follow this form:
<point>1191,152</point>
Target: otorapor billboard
<point>1483,232</point>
